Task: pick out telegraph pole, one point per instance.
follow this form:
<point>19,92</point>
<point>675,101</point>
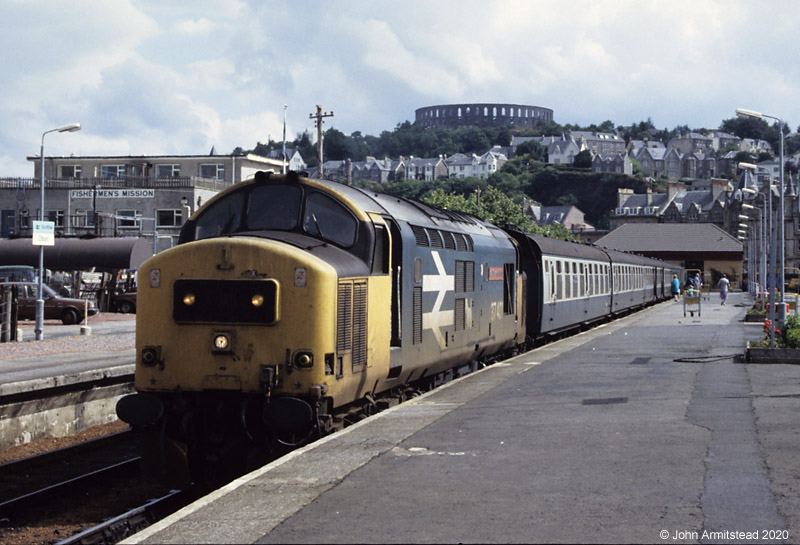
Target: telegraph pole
<point>318,117</point>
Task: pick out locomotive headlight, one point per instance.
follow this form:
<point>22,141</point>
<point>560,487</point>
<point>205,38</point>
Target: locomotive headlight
<point>189,299</point>
<point>257,300</point>
<point>222,342</point>
<point>304,359</point>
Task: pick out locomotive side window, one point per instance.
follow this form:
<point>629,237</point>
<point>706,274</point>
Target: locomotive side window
<point>330,220</point>
<point>274,207</point>
<point>380,255</point>
<point>509,288</point>
<point>221,218</point>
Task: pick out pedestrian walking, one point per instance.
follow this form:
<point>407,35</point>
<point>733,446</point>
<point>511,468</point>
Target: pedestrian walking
<point>724,284</point>
<point>676,286</point>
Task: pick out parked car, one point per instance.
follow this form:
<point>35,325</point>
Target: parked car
<point>125,302</point>
<point>68,310</point>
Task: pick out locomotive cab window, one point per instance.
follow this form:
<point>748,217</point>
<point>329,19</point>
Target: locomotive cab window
<point>274,207</point>
<point>329,220</point>
<point>221,218</point>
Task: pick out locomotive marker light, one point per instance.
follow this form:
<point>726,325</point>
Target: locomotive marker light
<point>257,300</point>
<point>189,299</point>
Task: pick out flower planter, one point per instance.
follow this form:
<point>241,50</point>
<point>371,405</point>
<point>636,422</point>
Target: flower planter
<point>772,355</point>
<point>755,317</point>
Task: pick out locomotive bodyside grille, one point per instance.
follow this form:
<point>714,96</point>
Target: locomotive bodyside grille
<point>344,321</point>
<point>417,315</point>
<point>359,323</point>
<point>460,314</point>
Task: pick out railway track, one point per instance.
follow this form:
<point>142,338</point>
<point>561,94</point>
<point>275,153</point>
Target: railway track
<point>57,494</point>
<point>118,528</point>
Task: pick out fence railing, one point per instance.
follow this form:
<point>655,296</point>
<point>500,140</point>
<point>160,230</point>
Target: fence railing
<point>177,182</point>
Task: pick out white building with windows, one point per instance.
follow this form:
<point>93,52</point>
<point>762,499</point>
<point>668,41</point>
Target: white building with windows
<point>121,196</point>
<point>460,165</point>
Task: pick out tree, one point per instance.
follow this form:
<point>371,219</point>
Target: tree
<point>583,159</point>
<point>489,204</point>
<point>335,145</point>
<point>533,149</point>
<point>638,171</point>
<point>567,200</point>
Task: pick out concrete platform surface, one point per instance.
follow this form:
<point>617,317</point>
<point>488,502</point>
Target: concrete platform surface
<point>65,356</point>
<point>644,430</point>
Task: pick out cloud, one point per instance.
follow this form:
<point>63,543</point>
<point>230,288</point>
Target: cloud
<point>189,27</point>
<point>154,76</point>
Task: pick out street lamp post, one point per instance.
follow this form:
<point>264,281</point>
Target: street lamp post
<point>39,328</point>
<point>769,246</point>
<point>781,224</point>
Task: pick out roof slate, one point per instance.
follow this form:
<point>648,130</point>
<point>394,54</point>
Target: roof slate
<point>670,237</point>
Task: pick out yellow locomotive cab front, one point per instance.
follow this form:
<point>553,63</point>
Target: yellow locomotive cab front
<point>254,327</point>
<point>232,319</point>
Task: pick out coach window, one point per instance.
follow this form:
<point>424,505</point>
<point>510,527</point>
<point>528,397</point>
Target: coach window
<point>582,282</point>
<point>559,282</point>
<point>575,279</point>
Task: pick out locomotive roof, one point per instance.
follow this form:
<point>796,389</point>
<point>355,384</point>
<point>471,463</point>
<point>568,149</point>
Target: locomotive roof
<point>414,212</point>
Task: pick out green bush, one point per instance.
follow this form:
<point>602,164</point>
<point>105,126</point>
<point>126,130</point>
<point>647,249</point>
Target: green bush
<point>791,331</point>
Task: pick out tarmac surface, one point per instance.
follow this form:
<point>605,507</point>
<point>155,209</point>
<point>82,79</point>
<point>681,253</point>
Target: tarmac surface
<point>67,356</point>
<point>644,430</point>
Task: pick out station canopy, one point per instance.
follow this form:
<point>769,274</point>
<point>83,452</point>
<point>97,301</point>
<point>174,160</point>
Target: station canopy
<point>73,254</point>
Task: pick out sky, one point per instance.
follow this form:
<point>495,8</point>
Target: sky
<point>170,77</point>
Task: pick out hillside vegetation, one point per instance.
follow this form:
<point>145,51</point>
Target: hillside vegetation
<point>526,177</point>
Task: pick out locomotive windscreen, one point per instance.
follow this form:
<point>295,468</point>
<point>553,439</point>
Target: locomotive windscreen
<point>279,207</point>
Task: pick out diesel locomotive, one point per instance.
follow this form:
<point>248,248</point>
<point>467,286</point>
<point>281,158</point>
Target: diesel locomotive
<point>288,299</point>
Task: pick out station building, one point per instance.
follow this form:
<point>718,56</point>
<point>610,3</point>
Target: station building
<point>701,247</point>
<point>121,196</point>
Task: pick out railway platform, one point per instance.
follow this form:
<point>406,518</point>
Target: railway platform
<point>65,355</point>
<point>647,429</point>
<point>65,383</point>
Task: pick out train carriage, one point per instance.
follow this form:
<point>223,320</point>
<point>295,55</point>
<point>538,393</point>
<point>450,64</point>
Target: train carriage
<point>568,284</point>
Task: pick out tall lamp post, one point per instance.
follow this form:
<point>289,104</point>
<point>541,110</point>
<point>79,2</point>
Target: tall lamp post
<point>754,274</point>
<point>782,250</point>
<point>769,246</point>
<point>39,328</point>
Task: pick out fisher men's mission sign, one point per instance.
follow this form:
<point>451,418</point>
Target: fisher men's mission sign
<point>127,193</point>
